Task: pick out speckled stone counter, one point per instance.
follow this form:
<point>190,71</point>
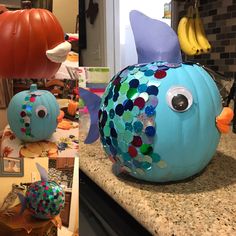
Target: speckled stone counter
<point>205,205</point>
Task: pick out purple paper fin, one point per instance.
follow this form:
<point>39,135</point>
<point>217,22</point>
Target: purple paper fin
<point>43,173</point>
<point>92,101</point>
<point>154,39</point>
<point>116,169</point>
<point>23,202</point>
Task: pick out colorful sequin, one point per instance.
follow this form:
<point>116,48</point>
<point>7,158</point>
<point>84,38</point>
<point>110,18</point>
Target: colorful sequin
<point>26,113</point>
<point>127,125</point>
<point>45,199</point>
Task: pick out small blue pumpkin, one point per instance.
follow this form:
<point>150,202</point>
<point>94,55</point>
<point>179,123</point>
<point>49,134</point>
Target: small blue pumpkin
<point>32,114</point>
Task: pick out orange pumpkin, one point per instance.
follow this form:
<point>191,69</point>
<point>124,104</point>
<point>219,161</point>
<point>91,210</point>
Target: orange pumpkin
<point>72,107</point>
<point>25,37</point>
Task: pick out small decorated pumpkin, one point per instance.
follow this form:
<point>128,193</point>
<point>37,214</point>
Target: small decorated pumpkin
<point>72,107</point>
<point>160,120</point>
<point>32,114</point>
<point>26,36</point>
<point>45,199</point>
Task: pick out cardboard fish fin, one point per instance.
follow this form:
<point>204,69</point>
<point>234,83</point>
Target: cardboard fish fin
<point>43,173</point>
<point>22,201</point>
<point>92,101</point>
<point>154,39</point>
<point>116,169</point>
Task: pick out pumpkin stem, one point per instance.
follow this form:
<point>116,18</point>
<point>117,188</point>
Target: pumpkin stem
<point>26,4</point>
<point>33,87</point>
<point>3,9</point>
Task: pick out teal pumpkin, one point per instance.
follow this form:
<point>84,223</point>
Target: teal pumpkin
<point>32,114</point>
<point>157,121</point>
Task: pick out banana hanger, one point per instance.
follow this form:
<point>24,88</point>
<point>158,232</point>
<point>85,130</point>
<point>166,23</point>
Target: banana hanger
<point>192,33</point>
<point>194,3</point>
<point>200,32</point>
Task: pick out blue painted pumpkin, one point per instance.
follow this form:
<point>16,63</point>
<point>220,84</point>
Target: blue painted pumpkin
<point>32,114</point>
<point>157,121</point>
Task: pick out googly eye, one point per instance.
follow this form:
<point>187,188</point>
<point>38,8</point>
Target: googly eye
<point>179,99</point>
<point>41,111</point>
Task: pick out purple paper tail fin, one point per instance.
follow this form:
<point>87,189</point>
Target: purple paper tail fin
<point>43,173</point>
<point>92,101</point>
<point>116,169</point>
<point>23,202</point>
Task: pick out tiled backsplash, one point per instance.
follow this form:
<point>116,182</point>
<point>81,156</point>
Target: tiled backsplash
<point>219,18</point>
<point>57,175</point>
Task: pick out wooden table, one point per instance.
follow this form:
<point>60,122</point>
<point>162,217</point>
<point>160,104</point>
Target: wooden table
<point>11,146</point>
<point>25,224</point>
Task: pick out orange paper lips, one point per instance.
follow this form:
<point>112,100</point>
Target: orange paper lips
<point>224,119</point>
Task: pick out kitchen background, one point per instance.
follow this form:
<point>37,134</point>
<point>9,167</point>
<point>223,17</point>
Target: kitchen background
<point>64,171</point>
<point>29,164</point>
<point>61,171</point>
<point>114,41</point>
<point>219,18</point>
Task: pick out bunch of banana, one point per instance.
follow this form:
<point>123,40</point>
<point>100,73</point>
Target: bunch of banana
<point>191,34</point>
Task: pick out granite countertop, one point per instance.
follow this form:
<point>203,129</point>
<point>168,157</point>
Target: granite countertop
<point>205,205</point>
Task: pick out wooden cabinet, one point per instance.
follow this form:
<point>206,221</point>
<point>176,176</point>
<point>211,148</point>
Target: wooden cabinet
<point>65,163</point>
<point>65,213</point>
<point>70,162</point>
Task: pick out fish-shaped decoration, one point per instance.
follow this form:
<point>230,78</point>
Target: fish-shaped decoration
<point>161,119</point>
<point>33,115</point>
<point>93,103</point>
<point>44,199</point>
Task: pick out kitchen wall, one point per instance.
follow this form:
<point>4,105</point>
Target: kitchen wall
<point>110,40</point>
<point>66,12</point>
<point>126,45</point>
<point>219,18</point>
<point>57,175</point>
<point>11,2</point>
<point>74,209</point>
<point>94,55</point>
<point>29,167</point>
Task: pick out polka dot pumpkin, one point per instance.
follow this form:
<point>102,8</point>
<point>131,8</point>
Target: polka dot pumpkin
<point>45,199</point>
